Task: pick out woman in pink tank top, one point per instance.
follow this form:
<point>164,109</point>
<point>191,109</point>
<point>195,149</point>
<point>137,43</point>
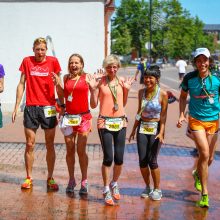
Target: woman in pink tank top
<point>76,122</point>
<point>111,92</point>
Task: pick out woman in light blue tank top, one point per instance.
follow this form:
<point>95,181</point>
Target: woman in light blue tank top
<point>150,125</point>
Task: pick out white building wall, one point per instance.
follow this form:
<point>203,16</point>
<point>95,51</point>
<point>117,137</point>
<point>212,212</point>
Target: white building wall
<point>75,27</point>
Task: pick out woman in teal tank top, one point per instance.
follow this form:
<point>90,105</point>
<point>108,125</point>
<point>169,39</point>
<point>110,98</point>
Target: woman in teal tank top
<point>202,86</point>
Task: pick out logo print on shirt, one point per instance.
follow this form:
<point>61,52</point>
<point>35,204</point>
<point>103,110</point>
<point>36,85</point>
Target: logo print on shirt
<point>39,71</point>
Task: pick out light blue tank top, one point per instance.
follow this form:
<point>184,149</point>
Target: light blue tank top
<point>151,108</point>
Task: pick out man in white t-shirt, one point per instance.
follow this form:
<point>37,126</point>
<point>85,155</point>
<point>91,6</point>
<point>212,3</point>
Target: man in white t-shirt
<point>181,65</point>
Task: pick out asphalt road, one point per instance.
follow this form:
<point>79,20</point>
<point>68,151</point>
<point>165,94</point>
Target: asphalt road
<point>169,76</point>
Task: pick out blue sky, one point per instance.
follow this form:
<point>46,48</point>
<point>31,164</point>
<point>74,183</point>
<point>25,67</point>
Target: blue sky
<point>206,10</point>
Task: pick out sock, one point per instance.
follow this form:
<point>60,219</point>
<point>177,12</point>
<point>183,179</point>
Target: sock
<point>84,182</point>
<point>113,184</point>
<point>106,189</point>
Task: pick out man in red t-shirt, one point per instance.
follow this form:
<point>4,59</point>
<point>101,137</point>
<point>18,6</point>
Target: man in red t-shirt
<point>37,76</point>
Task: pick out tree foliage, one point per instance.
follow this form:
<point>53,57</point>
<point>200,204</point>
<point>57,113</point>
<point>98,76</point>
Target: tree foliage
<point>174,31</point>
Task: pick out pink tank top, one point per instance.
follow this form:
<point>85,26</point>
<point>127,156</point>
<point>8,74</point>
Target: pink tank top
<point>107,102</point>
<point>79,103</point>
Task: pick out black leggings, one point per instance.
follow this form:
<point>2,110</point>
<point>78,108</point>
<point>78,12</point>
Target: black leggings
<point>148,149</point>
<point>106,138</point>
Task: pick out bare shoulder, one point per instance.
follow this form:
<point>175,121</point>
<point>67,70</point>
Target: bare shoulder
<point>140,92</point>
<point>163,93</point>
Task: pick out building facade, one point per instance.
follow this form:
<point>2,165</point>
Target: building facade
<point>78,26</point>
<point>214,29</point>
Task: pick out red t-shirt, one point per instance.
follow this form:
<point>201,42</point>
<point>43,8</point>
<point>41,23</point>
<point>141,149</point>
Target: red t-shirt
<point>80,92</point>
<point>39,84</point>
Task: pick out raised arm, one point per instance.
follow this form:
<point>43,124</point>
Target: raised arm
<point>126,87</point>
<point>59,87</point>
<point>94,89</point>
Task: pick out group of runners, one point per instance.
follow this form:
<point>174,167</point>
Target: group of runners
<point>41,73</point>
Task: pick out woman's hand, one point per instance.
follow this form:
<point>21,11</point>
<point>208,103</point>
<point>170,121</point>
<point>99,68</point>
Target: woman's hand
<point>94,79</point>
<point>56,79</point>
<point>182,119</point>
<point>91,80</point>
<point>160,137</point>
<point>131,137</point>
<point>99,74</point>
<point>62,112</point>
<point>128,82</point>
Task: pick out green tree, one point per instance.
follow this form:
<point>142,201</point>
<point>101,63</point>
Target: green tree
<point>184,33</point>
<point>174,31</point>
<point>131,19</point>
<point>122,42</point>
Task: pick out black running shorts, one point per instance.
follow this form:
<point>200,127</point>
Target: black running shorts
<point>34,117</point>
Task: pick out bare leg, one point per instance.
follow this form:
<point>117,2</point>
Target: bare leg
<point>51,155</point>
<point>29,150</point>
<point>146,175</point>
<point>116,172</point>
<point>156,178</point>
<point>212,140</point>
<point>105,174</point>
<point>202,166</point>
<point>83,157</point>
<point>70,154</point>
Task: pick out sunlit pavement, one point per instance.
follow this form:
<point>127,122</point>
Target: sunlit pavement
<point>176,160</point>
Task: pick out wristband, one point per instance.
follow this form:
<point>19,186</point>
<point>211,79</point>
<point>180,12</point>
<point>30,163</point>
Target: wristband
<point>138,117</point>
<point>63,106</point>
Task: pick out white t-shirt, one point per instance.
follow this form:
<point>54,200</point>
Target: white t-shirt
<point>181,65</point>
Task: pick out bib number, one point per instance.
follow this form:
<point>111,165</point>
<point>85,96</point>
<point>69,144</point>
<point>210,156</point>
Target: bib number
<point>149,128</point>
<point>50,111</point>
<point>72,120</point>
<point>114,124</point>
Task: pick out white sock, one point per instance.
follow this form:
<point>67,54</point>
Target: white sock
<point>113,184</point>
<point>106,189</point>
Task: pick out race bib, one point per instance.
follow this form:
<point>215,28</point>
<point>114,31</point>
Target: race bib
<point>72,120</point>
<point>114,124</point>
<point>49,111</point>
<point>148,128</point>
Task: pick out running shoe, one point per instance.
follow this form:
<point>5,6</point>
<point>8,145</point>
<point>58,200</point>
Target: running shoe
<point>27,184</point>
<point>146,192</point>
<point>71,186</point>
<point>115,192</point>
<point>203,202</point>
<point>84,187</point>
<point>156,194</point>
<point>52,185</point>
<point>197,183</point>
<point>108,198</point>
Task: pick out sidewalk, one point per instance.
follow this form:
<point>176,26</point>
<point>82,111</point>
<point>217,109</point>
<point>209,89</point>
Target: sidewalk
<point>176,161</point>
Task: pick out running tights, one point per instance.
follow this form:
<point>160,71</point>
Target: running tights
<point>107,138</point>
<point>148,149</point>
